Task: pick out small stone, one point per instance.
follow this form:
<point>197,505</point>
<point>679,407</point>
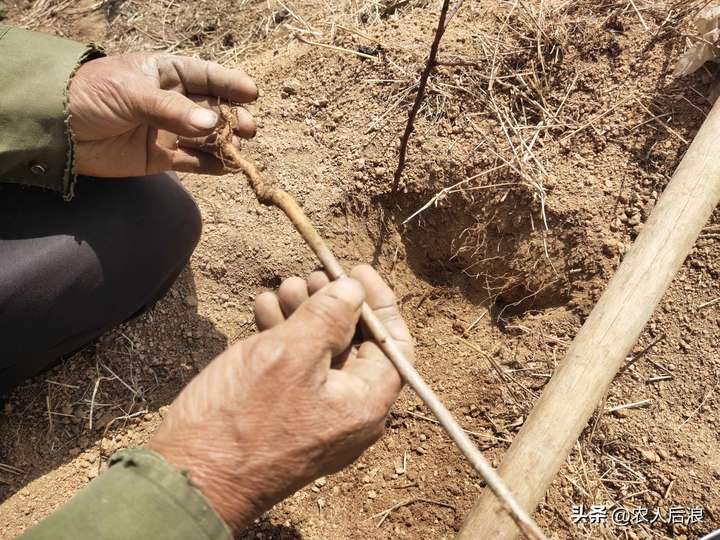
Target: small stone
<point>612,247</point>
<point>423,437</point>
<point>366,479</point>
<point>218,268</point>
<point>372,494</point>
<point>420,450</point>
<point>291,87</point>
<point>336,490</point>
<point>649,455</point>
<point>320,482</point>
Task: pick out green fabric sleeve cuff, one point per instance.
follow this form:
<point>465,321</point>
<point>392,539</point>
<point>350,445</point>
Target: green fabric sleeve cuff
<point>36,143</point>
<point>140,496</point>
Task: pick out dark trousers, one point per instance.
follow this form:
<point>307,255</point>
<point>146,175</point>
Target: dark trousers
<point>70,271</point>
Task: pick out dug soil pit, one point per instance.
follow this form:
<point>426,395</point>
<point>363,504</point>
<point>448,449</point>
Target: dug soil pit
<point>547,135</point>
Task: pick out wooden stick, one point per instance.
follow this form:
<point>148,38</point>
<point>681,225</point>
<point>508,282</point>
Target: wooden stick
<point>636,405</point>
<point>420,95</point>
<point>600,348</point>
<point>269,195</point>
<point>709,303</point>
<point>453,12</point>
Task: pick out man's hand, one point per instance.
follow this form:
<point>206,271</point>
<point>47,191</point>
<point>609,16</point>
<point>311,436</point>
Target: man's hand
<point>295,402</point>
<point>139,114</point>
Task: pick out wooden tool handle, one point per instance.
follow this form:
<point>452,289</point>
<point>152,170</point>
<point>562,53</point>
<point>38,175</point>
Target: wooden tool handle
<point>598,351</point>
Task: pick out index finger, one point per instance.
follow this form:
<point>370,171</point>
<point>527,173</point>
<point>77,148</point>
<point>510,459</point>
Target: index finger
<point>207,78</point>
<point>383,382</point>
<point>381,299</point>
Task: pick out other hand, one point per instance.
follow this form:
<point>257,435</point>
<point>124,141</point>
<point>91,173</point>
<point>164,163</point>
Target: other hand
<point>295,402</point>
<point>142,113</point>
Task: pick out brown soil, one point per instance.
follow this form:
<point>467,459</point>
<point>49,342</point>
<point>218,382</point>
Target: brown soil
<point>329,125</point>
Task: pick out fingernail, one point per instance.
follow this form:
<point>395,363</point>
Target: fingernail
<point>204,118</point>
<point>349,290</point>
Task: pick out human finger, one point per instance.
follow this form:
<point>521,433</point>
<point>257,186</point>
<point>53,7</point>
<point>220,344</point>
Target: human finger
<point>268,313</point>
<point>203,77</point>
<point>316,281</point>
<point>195,161</point>
<point>381,300</point>
<point>245,127</point>
<point>327,320</point>
<point>205,143</point>
<point>382,380</point>
<point>371,364</point>
<point>174,112</point>
<point>292,293</point>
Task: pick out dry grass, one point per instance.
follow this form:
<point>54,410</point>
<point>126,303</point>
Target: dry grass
<point>524,85</point>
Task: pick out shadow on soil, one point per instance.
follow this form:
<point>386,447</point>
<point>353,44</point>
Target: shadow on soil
<point>490,249</point>
<point>270,531</point>
<point>125,375</point>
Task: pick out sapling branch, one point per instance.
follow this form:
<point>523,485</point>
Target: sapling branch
<point>270,195</point>
<point>443,23</point>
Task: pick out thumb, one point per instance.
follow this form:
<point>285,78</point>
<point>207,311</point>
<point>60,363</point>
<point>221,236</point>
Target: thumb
<point>176,113</point>
<point>328,319</point>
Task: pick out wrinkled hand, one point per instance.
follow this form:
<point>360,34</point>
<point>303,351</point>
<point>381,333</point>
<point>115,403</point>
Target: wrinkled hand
<point>290,404</point>
<point>138,114</point>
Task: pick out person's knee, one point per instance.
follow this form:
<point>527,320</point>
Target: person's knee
<point>141,233</point>
<point>180,215</point>
<point>171,231</point>
<point>88,265</point>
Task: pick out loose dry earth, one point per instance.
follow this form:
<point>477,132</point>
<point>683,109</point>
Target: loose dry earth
<point>567,123</point>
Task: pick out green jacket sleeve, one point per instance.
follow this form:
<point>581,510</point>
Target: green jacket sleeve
<point>140,496</point>
<point>36,145</point>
